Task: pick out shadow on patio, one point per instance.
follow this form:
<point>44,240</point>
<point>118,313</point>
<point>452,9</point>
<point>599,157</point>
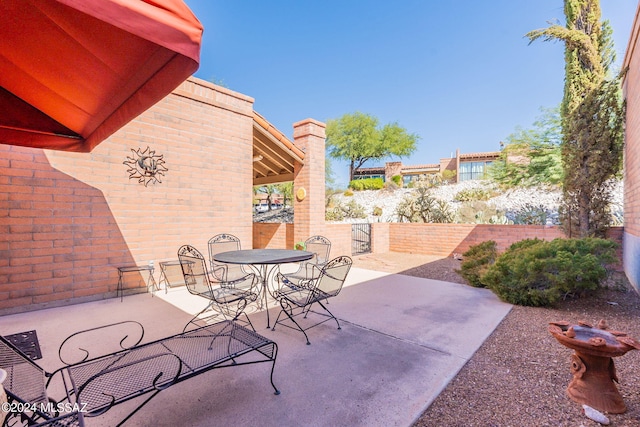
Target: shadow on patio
<point>402,340</point>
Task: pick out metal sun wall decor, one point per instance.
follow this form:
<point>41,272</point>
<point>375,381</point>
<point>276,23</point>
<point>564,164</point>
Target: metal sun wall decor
<point>145,166</point>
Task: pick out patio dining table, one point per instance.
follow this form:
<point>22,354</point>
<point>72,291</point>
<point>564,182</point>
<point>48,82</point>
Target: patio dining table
<point>263,261</point>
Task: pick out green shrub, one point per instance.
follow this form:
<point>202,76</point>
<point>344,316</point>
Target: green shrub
<point>397,179</point>
<point>539,273</point>
<point>448,175</point>
<point>367,184</point>
<point>477,260</point>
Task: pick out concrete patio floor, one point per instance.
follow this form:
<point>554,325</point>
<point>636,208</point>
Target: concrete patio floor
<point>402,340</point>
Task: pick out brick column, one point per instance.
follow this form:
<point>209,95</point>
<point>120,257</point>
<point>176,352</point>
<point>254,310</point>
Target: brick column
<point>308,184</point>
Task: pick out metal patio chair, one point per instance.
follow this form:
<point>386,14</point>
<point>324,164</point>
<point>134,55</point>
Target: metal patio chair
<point>227,297</point>
<point>224,243</point>
<point>320,246</point>
<point>298,299</point>
<point>26,389</point>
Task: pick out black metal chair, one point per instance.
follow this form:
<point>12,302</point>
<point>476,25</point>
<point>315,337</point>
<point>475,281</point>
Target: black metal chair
<point>224,243</point>
<point>26,389</point>
<point>227,297</point>
<point>320,246</point>
<point>297,299</point>
<point>101,372</point>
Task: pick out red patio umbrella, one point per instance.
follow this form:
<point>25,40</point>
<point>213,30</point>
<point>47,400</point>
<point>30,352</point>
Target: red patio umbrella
<point>72,72</point>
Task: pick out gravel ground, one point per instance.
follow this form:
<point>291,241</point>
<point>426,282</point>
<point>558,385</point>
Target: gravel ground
<point>519,375</point>
<point>508,201</point>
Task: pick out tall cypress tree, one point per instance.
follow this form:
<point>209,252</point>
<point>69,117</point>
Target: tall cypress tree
<point>592,113</point>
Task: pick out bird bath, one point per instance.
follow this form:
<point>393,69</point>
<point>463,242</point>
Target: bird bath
<point>592,364</point>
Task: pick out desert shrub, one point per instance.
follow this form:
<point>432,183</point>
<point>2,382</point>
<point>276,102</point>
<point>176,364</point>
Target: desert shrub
<point>531,215</point>
<point>345,210</point>
<point>534,272</point>
<point>422,207</point>
<point>477,260</point>
<point>366,184</point>
<point>478,212</point>
<point>348,192</point>
<point>377,211</point>
<point>472,194</point>
<point>333,214</point>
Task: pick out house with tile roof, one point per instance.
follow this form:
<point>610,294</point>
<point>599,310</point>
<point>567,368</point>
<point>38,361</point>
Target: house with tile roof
<point>469,166</point>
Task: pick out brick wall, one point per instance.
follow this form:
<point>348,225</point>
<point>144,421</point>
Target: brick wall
<point>429,239</point>
<point>273,235</point>
<point>445,239</point>
<point>69,219</point>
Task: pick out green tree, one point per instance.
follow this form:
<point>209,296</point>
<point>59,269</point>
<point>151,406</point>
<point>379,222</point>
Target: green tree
<point>329,179</point>
<point>357,138</point>
<point>592,114</point>
<point>286,191</point>
<point>269,190</point>
<point>532,156</point>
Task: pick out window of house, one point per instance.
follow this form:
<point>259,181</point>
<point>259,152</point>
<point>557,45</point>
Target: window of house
<point>473,170</point>
<point>369,176</point>
<point>406,179</point>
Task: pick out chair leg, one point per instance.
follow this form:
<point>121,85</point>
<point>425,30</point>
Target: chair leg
<point>330,313</point>
<point>194,318</point>
<point>249,321</point>
<point>288,310</point>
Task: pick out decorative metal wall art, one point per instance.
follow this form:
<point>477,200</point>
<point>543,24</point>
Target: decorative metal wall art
<point>145,166</point>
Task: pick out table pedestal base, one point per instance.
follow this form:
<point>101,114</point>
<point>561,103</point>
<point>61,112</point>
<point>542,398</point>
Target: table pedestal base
<point>593,383</point>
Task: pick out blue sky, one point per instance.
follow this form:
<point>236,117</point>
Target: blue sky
<point>459,74</point>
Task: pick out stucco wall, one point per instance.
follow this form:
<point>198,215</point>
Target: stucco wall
<point>631,87</point>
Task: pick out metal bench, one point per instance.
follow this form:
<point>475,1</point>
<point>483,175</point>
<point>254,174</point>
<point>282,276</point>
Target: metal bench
<point>94,385</point>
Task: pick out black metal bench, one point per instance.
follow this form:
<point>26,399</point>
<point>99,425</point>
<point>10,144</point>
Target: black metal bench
<point>93,385</point>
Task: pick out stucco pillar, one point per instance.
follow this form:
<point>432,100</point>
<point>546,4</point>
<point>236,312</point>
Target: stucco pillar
<point>308,184</point>
<point>391,169</point>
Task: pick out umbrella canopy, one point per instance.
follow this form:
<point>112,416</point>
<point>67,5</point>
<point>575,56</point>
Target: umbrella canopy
<point>72,72</point>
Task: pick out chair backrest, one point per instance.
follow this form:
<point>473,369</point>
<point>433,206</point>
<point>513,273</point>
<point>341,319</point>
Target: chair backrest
<point>225,243</point>
<point>222,243</point>
<point>319,245</point>
<point>333,275</point>
<point>25,380</point>
<point>194,271</point>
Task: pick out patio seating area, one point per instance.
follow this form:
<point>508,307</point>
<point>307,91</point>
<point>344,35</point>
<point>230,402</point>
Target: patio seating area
<point>95,382</point>
<point>402,340</point>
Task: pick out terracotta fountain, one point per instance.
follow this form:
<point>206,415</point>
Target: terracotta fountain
<point>592,364</point>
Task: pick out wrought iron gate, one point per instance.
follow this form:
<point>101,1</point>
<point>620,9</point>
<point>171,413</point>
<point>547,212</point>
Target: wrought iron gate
<point>360,239</point>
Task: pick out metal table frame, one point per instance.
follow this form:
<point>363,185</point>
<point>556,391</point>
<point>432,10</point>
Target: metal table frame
<point>122,270</point>
<point>263,261</point>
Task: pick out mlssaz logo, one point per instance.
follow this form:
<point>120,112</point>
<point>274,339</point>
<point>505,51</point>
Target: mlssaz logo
<point>145,166</point>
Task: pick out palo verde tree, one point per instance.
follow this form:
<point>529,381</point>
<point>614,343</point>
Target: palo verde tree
<point>357,138</point>
<point>592,114</point>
